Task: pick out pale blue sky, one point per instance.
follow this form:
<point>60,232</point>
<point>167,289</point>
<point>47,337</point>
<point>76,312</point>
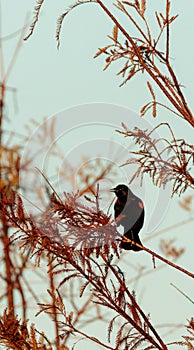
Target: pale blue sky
<point>49,81</point>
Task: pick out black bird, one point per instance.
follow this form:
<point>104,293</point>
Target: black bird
<point>130,208</point>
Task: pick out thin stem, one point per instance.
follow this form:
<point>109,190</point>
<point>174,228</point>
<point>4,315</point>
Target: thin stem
<point>167,29</point>
<point>97,341</point>
<point>180,291</point>
<point>135,23</point>
<point>14,56</point>
<point>169,109</point>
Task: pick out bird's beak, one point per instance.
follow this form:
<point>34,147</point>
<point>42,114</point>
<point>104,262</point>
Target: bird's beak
<point>112,190</point>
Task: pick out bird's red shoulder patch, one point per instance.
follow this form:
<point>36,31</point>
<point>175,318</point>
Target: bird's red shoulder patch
<point>140,204</point>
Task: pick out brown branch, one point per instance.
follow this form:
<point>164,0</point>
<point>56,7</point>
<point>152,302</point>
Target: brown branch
<point>171,97</point>
<point>166,261</point>
<point>54,311</point>
<point>22,294</point>
<point>111,303</point>
<point>135,304</point>
<point>8,266</point>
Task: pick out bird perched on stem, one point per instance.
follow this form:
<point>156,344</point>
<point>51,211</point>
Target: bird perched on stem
<point>129,212</point>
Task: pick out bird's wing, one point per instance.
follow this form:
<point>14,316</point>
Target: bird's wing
<point>134,215</point>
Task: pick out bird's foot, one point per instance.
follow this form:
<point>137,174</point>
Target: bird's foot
<point>128,244</point>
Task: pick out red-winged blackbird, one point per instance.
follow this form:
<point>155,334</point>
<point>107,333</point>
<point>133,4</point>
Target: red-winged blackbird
<point>130,208</point>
